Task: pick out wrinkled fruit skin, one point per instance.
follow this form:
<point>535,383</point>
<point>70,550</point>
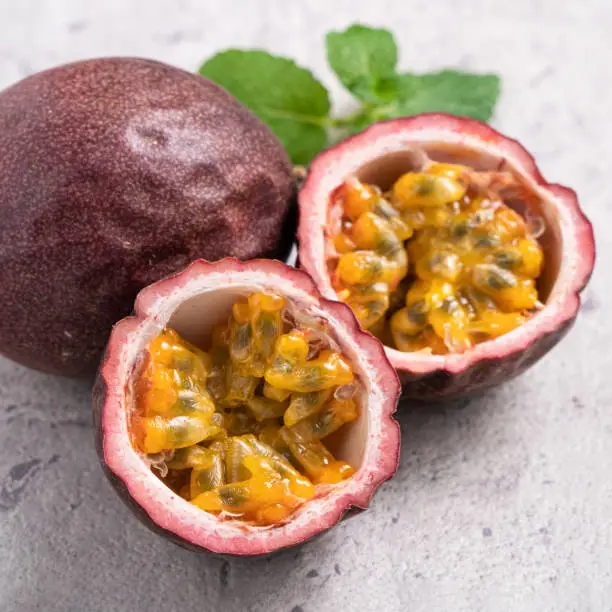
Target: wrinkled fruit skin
<point>162,510</point>
<point>115,173</point>
<point>451,376</point>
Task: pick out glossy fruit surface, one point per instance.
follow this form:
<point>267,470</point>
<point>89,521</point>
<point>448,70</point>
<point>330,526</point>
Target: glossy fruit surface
<point>115,173</point>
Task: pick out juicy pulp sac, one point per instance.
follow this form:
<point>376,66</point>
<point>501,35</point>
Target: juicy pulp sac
<point>238,429</point>
<point>439,262</point>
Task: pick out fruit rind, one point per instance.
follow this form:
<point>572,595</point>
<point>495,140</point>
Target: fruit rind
<point>446,376</point>
<point>175,517</point>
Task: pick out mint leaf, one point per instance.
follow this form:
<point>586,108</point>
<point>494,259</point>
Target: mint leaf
<point>365,61</point>
<point>449,91</point>
<point>291,101</point>
<point>363,58</point>
<point>284,96</point>
<point>357,124</point>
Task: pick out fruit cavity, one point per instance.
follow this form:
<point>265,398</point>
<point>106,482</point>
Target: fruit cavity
<point>439,262</point>
<point>232,408</point>
<point>241,430</point>
<point>418,172</point>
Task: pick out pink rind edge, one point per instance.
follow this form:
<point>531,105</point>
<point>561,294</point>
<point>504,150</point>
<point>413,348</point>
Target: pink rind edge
<point>108,400</point>
<point>311,244</point>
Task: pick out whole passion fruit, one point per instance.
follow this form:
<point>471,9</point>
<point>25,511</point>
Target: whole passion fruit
<point>240,412</point>
<point>115,173</point>
<point>449,245</point>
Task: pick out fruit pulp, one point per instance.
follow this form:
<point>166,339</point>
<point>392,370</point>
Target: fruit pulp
<point>239,430</point>
<point>438,263</point>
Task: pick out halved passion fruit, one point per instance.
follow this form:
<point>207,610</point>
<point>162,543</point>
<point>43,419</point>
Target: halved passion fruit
<point>240,412</point>
<point>448,245</point>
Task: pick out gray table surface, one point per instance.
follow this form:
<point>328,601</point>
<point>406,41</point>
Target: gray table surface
<point>500,503</point>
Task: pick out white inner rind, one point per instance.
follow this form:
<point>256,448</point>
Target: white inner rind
<point>192,302</point>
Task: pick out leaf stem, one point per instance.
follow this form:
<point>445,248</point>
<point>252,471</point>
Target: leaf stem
<point>277,113</point>
<point>340,122</point>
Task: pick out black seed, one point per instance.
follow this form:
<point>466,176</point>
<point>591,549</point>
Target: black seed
<point>232,496</point>
<point>268,327</point>
<point>376,266</point>
<point>435,260</point>
<point>187,401</point>
<point>500,279</point>
<point>183,363</point>
<point>323,422</point>
<point>242,338</point>
<point>385,210</point>
<point>425,186</point>
<point>376,307</point>
<point>492,277</point>
<point>495,282</point>
<point>178,430</point>
<point>389,245</point>
<point>365,291</point>
<point>477,220</point>
<point>485,241</point>
<point>308,399</point>
<point>417,313</point>
<point>186,384</point>
<point>460,230</point>
<point>311,399</point>
<point>310,377</point>
<point>508,259</point>
<point>281,365</point>
<point>449,305</point>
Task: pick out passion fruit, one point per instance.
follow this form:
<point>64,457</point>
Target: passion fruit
<point>115,173</point>
<point>240,412</point>
<point>449,245</point>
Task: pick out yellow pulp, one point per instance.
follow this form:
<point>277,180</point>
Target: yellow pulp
<point>459,258</point>
<point>240,427</point>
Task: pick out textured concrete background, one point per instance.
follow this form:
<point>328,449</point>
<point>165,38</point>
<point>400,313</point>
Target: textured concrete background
<point>500,503</point>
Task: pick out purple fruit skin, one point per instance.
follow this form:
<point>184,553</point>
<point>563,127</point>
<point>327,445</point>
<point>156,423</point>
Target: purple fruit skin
<point>115,173</point>
<point>482,375</point>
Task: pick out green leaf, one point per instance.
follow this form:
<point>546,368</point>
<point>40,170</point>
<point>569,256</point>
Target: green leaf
<point>286,97</point>
<point>449,91</point>
<point>363,58</point>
